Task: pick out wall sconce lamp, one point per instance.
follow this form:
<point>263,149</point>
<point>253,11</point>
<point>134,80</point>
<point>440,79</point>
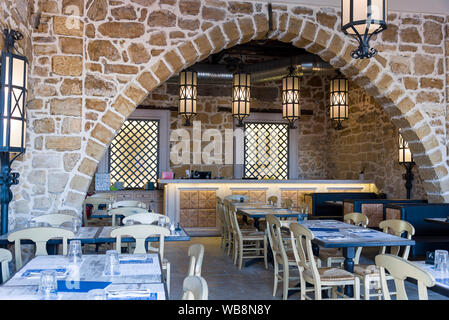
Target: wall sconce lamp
<point>187,95</point>
<point>291,109</point>
<point>14,87</point>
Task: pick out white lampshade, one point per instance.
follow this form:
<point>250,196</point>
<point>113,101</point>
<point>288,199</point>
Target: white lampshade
<point>405,155</point>
<point>339,103</point>
<point>14,85</point>
<point>359,16</point>
<point>187,94</point>
<point>241,95</point>
<point>291,109</point>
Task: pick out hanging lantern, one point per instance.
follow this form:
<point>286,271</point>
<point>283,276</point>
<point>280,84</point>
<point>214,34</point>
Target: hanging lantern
<point>339,107</point>
<point>241,89</point>
<point>363,19</point>
<point>291,109</point>
<point>405,155</point>
<point>187,95</point>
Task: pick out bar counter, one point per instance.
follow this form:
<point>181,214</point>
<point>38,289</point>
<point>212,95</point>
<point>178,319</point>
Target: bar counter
<point>192,202</point>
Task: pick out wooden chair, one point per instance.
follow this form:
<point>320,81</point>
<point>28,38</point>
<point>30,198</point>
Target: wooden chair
<point>124,211</point>
<point>95,202</point>
<point>247,242</point>
<point>5,258</point>
<point>273,200</point>
<point>194,288</point>
<point>129,203</point>
<point>282,256</point>
<point>39,236</point>
<point>320,278</point>
<point>140,232</point>
<point>196,254</point>
<point>145,217</point>
<point>54,219</point>
<point>400,269</point>
<point>369,274</point>
<point>223,233</point>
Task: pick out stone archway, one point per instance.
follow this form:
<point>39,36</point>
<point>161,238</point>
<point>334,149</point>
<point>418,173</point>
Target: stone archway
<point>317,31</point>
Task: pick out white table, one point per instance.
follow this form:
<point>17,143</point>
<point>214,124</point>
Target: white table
<point>77,280</point>
<point>442,279</point>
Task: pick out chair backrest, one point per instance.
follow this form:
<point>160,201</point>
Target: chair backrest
<point>39,236</point>
<point>234,224</point>
<point>226,216</point>
<point>275,238</point>
<point>357,219</point>
<point>125,211</point>
<point>400,269</point>
<point>302,249</point>
<point>219,211</point>
<point>398,228</point>
<point>140,232</point>
<point>236,198</point>
<point>54,219</point>
<point>196,254</point>
<point>5,257</point>
<point>145,218</point>
<point>129,203</point>
<point>195,288</point>
<point>287,203</point>
<point>273,200</point>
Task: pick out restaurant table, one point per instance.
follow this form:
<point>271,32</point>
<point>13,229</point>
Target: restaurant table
<point>337,234</point>
<point>262,211</point>
<point>137,272</point>
<point>441,279</point>
<point>438,221</point>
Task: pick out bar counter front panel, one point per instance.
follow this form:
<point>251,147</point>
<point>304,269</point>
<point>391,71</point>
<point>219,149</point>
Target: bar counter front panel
<point>192,202</point>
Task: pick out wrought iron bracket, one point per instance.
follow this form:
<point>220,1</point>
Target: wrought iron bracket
<point>408,176</point>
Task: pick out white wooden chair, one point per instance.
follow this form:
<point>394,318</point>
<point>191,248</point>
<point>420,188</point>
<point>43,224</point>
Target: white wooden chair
<point>196,254</point>
<point>124,211</point>
<point>400,269</point>
<point>129,203</point>
<point>223,233</point>
<point>228,239</point>
<point>145,217</point>
<point>5,258</point>
<point>281,256</point>
<point>54,219</point>
<point>95,202</point>
<point>320,278</point>
<point>247,244</point>
<point>39,236</point>
<point>369,274</point>
<point>194,288</point>
<point>140,232</point>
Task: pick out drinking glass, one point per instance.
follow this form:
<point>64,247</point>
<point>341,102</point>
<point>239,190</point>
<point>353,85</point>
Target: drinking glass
<point>441,261</point>
<point>76,225</point>
<point>97,294</point>
<point>75,254</point>
<point>48,285</point>
<point>161,221</point>
<point>112,264</point>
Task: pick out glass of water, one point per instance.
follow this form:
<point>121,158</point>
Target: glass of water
<point>76,225</point>
<point>161,221</point>
<point>441,261</point>
<point>48,285</point>
<point>112,263</point>
<point>75,253</point>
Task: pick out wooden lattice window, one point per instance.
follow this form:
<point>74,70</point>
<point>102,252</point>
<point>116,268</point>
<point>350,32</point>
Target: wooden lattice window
<point>266,150</point>
<point>134,154</point>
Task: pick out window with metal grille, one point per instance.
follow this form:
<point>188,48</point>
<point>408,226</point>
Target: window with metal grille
<point>266,150</point>
<point>134,154</point>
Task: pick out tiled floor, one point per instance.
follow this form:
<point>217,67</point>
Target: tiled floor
<point>226,282</point>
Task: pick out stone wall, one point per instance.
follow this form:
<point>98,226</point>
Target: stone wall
<point>369,143</point>
<point>95,60</point>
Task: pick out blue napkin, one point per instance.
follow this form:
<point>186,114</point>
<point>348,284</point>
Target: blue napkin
<point>80,286</point>
<point>28,272</point>
<point>324,229</point>
<point>136,261</point>
<point>151,296</point>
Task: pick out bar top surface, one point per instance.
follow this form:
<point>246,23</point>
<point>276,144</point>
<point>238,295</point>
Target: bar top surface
<point>246,181</point>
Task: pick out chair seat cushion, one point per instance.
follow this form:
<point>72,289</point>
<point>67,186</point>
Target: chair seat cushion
<point>366,269</point>
<point>332,274</point>
<point>326,253</point>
